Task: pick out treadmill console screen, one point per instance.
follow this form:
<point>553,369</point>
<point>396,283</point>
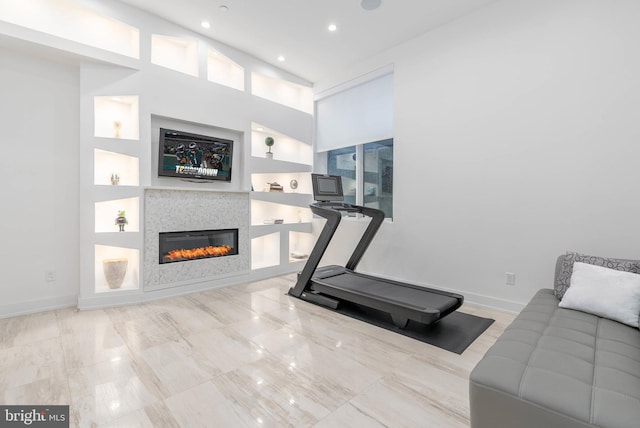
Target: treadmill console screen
<point>327,187</point>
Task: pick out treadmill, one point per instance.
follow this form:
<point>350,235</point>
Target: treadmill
<point>332,285</point>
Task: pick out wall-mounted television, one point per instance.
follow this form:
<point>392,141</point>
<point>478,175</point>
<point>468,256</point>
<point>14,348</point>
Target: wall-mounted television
<point>193,156</point>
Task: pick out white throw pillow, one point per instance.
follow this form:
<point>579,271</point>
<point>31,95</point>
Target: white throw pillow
<point>604,292</point>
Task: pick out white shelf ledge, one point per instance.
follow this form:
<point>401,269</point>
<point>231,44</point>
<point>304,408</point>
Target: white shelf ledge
<point>283,198</point>
<point>264,165</point>
<point>265,229</point>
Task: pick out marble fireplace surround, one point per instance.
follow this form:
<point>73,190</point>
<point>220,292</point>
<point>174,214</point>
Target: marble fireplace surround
<point>173,210</point>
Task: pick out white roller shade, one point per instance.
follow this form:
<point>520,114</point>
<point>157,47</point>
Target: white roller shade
<point>358,115</point>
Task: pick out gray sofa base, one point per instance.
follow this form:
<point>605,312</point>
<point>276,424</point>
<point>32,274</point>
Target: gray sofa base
<point>555,367</point>
<point>495,408</point>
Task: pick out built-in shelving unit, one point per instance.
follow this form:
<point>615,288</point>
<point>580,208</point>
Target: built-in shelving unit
<point>280,220</point>
<point>113,189</point>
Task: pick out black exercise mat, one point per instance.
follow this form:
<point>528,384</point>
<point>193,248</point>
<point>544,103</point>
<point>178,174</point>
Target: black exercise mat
<point>453,333</point>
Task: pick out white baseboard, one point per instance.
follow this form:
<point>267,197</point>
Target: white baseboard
<point>492,302</point>
<point>41,305</point>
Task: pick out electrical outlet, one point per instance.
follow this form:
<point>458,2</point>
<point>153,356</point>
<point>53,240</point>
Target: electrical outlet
<point>50,275</point>
<point>510,278</point>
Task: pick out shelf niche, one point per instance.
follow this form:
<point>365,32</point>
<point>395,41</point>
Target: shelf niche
<point>260,182</point>
<point>265,251</point>
<point>68,20</point>
<point>224,71</point>
<point>266,211</point>
<point>114,255</point>
<point>107,211</point>
<point>285,148</point>
<point>300,246</point>
<point>116,117</point>
<point>111,168</point>
<point>282,92</point>
<point>175,53</point>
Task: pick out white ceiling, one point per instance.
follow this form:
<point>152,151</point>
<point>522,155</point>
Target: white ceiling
<point>297,29</point>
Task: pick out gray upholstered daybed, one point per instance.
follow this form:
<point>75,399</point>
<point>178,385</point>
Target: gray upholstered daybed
<point>555,367</point>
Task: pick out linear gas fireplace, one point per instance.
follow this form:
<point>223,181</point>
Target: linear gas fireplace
<point>198,244</point>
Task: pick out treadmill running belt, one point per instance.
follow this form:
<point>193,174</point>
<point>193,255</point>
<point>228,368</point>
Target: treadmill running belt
<point>391,291</point>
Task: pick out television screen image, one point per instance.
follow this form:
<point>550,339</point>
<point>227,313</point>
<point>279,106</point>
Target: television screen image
<point>192,156</point>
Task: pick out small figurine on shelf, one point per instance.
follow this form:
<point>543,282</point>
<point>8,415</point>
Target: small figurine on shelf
<point>121,220</point>
<point>115,179</point>
<point>269,141</point>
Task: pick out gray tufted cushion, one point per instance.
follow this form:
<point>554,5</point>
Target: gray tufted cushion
<point>563,275</point>
<point>557,367</point>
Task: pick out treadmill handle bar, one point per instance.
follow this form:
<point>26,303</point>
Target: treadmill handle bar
<point>377,217</point>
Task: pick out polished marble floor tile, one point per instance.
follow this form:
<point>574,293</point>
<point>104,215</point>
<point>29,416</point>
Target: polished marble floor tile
<point>35,372</point>
<point>27,329</point>
<point>93,345</point>
<point>176,366</point>
<point>243,356</point>
<point>349,416</point>
<point>273,393</point>
<point>154,329</point>
<point>226,349</point>
<point>108,391</point>
<point>395,405</point>
<point>203,406</point>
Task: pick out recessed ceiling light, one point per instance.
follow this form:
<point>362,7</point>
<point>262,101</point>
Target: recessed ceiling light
<point>205,24</point>
<point>223,8</point>
<point>332,27</point>
<point>370,4</point>
<point>260,128</point>
<point>281,58</point>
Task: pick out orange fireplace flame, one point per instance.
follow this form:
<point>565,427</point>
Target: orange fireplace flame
<point>197,253</point>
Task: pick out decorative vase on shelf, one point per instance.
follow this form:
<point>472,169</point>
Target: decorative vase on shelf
<point>269,141</point>
<point>115,179</point>
<point>114,271</point>
<point>121,220</point>
<point>117,126</point>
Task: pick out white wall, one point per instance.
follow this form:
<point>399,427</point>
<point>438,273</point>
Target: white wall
<point>516,139</point>
<point>39,172</point>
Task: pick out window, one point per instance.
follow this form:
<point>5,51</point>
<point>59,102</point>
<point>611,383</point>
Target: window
<point>367,174</point>
<point>354,139</point>
<point>378,176</point>
<point>342,162</point>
